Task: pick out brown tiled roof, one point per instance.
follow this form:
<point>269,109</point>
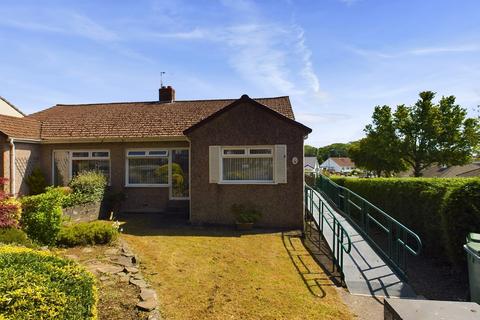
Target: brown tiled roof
<point>22,128</point>
<point>136,119</point>
<point>343,162</point>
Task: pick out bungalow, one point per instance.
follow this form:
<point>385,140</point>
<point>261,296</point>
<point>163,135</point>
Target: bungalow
<point>209,154</point>
<point>311,166</point>
<point>338,165</point>
<point>9,109</point>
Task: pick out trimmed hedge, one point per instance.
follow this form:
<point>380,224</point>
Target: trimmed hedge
<point>38,285</point>
<point>442,211</point>
<point>16,236</point>
<point>87,233</point>
<point>42,215</point>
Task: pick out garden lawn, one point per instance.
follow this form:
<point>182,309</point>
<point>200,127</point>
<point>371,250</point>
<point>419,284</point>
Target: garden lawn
<point>222,274</point>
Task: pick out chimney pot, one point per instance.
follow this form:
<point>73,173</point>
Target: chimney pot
<point>166,94</point>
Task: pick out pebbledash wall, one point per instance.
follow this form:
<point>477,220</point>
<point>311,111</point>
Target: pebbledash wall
<point>138,199</point>
<point>246,125</point>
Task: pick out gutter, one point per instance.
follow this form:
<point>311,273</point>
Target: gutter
<point>12,166</point>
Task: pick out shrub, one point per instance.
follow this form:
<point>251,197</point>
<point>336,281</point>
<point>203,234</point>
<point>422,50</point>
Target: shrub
<point>10,209</point>
<point>87,186</point>
<point>87,233</point>
<point>38,285</point>
<point>36,182</point>
<point>434,208</point>
<point>42,215</point>
<point>13,235</point>
<point>246,213</point>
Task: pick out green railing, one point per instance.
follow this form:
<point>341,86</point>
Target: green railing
<point>391,239</point>
<point>319,214</point>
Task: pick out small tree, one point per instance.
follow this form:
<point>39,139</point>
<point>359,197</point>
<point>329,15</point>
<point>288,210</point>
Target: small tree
<point>36,182</point>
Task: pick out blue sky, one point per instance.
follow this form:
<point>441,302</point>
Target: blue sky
<point>336,59</point>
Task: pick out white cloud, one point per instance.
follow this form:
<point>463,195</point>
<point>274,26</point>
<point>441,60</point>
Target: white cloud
<point>422,51</point>
<point>62,22</point>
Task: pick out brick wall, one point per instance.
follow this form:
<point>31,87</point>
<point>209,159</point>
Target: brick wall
<point>281,204</point>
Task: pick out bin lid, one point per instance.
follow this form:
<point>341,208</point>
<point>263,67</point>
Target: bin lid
<point>473,242</point>
<point>473,237</point>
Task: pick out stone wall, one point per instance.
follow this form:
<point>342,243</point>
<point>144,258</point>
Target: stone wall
<point>84,212</point>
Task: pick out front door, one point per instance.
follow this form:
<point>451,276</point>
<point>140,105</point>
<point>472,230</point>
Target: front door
<point>180,174</point>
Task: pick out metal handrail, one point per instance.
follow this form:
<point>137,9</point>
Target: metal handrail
<point>320,214</point>
<point>399,237</point>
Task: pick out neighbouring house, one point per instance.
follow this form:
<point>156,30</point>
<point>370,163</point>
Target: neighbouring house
<point>8,109</point>
<point>209,154</point>
<point>438,171</point>
<point>338,165</point>
<point>311,166</point>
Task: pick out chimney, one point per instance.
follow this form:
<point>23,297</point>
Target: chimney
<point>166,94</point>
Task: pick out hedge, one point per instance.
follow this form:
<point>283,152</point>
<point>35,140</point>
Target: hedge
<point>14,236</point>
<point>39,285</point>
<point>42,215</point>
<point>442,211</point>
<point>87,233</point>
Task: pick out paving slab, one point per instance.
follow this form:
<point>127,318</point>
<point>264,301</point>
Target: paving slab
<point>407,309</point>
<point>365,271</point>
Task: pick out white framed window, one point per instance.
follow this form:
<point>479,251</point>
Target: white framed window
<point>247,164</point>
<point>68,163</point>
<point>147,168</point>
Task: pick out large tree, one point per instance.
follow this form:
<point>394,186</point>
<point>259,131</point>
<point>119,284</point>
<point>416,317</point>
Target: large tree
<point>333,150</point>
<point>418,136</point>
<point>310,151</point>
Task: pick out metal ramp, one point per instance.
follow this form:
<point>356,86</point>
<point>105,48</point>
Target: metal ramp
<point>365,268</point>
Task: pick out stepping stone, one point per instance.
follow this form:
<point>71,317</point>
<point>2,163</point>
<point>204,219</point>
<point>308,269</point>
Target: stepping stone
<point>71,256</point>
<point>148,305</point>
<point>104,278</point>
<point>125,278</point>
<point>147,294</point>
<point>131,269</point>
<point>124,261</point>
<point>137,276</point>
<point>128,254</point>
<point>111,252</point>
<point>109,268</point>
<point>139,283</point>
<point>87,250</point>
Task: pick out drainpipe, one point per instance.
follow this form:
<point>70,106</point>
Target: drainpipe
<point>12,167</point>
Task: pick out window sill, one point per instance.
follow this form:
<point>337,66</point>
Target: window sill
<point>248,182</point>
<point>146,185</point>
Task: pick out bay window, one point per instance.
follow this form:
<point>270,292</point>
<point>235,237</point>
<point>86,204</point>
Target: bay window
<point>147,168</point>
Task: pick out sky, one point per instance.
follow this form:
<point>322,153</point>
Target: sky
<point>336,59</point>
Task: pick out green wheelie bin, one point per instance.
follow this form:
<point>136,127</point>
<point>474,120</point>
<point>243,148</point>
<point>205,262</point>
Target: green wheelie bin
<point>473,258</point>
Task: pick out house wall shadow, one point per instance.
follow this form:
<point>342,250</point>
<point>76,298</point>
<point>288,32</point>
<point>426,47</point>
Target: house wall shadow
<point>175,224</point>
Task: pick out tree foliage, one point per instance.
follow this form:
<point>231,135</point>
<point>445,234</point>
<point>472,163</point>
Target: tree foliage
<point>333,150</point>
<point>417,136</point>
<point>310,151</point>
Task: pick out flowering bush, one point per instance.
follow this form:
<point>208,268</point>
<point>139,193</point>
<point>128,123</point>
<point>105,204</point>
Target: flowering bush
<point>10,209</point>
